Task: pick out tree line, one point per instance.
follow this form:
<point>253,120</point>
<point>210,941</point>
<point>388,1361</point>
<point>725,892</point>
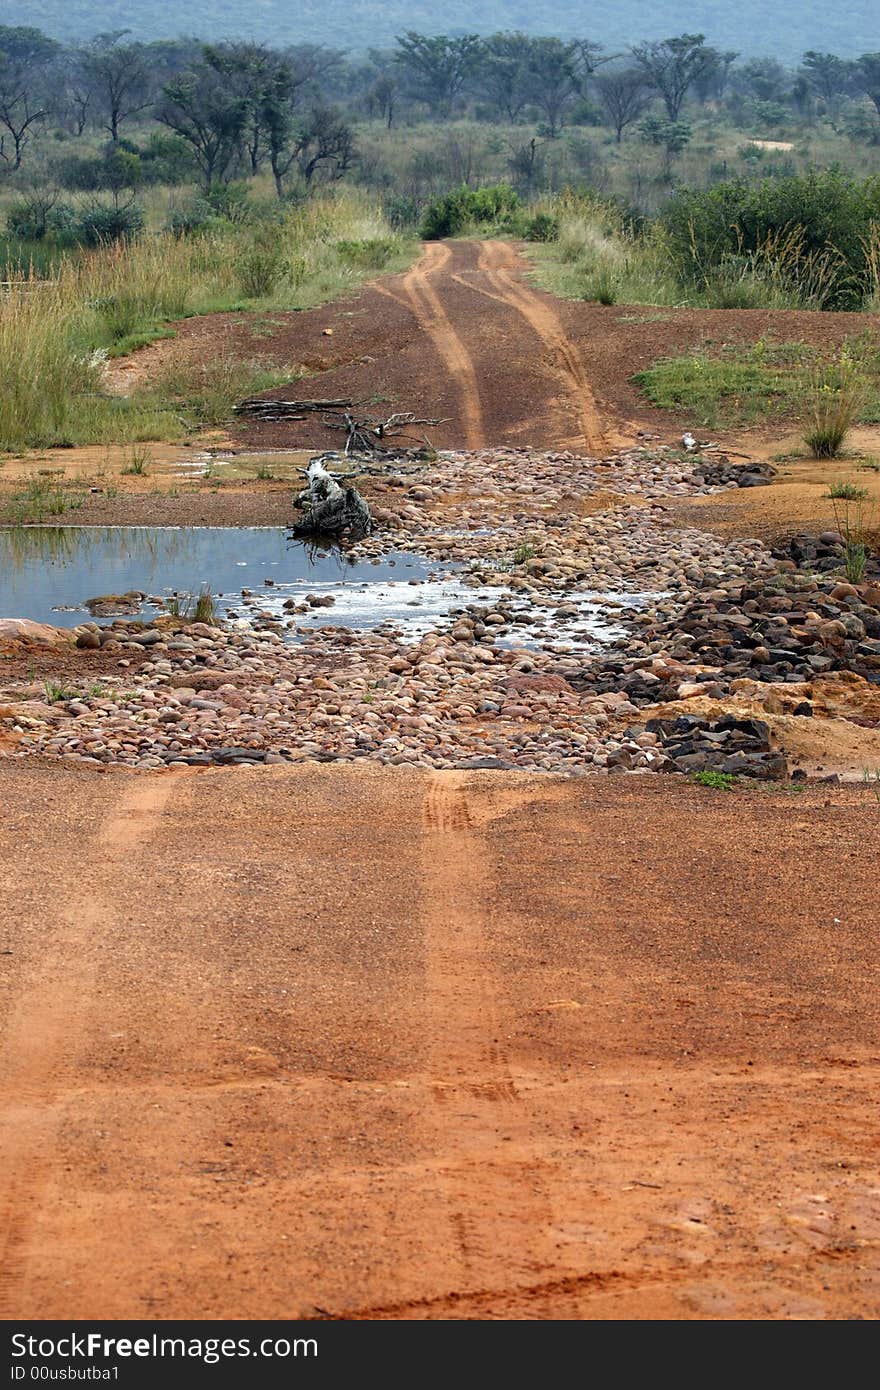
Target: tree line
<point>242,107</point>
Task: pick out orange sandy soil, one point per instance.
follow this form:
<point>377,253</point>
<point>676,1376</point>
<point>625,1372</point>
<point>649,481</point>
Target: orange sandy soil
<point>477,1046</point>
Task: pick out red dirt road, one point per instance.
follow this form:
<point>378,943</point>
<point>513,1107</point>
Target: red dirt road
<point>464,336</point>
<point>369,1043</point>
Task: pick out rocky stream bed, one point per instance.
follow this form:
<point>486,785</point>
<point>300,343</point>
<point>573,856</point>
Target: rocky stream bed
<point>550,548</point>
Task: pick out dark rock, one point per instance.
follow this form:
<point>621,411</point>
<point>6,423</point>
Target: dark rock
<point>238,755</point>
<point>620,757</point>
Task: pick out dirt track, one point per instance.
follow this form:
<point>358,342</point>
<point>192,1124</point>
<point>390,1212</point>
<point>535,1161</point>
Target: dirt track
<point>465,337</point>
<point>483,1047</point>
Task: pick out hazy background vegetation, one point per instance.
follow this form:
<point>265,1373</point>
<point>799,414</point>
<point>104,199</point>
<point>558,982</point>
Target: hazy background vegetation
<point>753,26</point>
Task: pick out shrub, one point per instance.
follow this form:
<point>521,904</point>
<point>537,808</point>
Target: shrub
<point>402,212</point>
<point>465,207</point>
<point>229,200</point>
<point>101,224</point>
<point>192,218</point>
<point>166,158</point>
<point>40,216</point>
<point>260,269</point>
<point>204,609</point>
<point>847,492</point>
<point>544,226</point>
<point>602,288</point>
<point>851,522</point>
<point>809,226</point>
<point>367,255</point>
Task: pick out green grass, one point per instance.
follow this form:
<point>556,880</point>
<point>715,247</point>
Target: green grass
<point>57,692</point>
<point>132,342</point>
<point>139,460</point>
<point>737,386</point>
<point>522,553</point>
<point>853,520</point>
<point>835,396</point>
<point>194,609</point>
<point>200,394</point>
<point>39,500</point>
<point>719,781</point>
<point>847,492</point>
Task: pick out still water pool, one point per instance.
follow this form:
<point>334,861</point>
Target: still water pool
<point>48,572</point>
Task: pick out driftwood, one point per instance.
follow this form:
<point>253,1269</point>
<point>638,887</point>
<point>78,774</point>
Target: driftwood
<point>367,435</point>
<point>364,435</point>
<point>262,409</point>
<point>330,505</point>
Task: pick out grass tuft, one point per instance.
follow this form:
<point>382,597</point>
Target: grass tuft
<point>847,492</point>
<point>834,401</point>
<point>719,781</point>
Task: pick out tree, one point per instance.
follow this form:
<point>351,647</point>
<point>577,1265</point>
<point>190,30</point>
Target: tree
<point>121,80</point>
<point>382,97</point>
<point>526,164</point>
<point>78,93</point>
<point>251,70</point>
<point>25,56</point>
<point>279,124</point>
<point>322,141</point>
<point>553,81</point>
<point>314,68</point>
<point>325,142</point>
<point>672,66</point>
<point>763,78</point>
<point>828,75</point>
<point>671,136</point>
<point>200,107</point>
<point>867,76</point>
<point>437,68</point>
<point>712,82</point>
<point>590,57</point>
<point>503,72</point>
<point>624,97</point>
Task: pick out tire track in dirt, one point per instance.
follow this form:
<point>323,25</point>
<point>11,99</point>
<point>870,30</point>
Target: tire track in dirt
<point>484,1130</point>
<point>497,261</point>
<point>421,297</point>
<point>45,1031</point>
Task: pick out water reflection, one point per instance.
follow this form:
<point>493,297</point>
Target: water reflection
<point>48,572</point>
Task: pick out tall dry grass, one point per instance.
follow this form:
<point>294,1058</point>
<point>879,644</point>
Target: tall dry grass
<point>55,331</point>
<point>599,256</point>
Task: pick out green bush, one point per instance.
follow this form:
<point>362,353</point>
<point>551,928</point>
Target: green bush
<point>544,226</point>
<point>166,158</point>
<point>229,200</point>
<point>820,224</point>
<point>101,224</point>
<point>261,268</point>
<point>402,211</point>
<point>192,218</point>
<point>464,208</point>
<point>38,217</point>
<point>367,255</point>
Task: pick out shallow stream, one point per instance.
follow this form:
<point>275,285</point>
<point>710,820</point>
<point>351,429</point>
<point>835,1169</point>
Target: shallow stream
<point>48,573</point>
